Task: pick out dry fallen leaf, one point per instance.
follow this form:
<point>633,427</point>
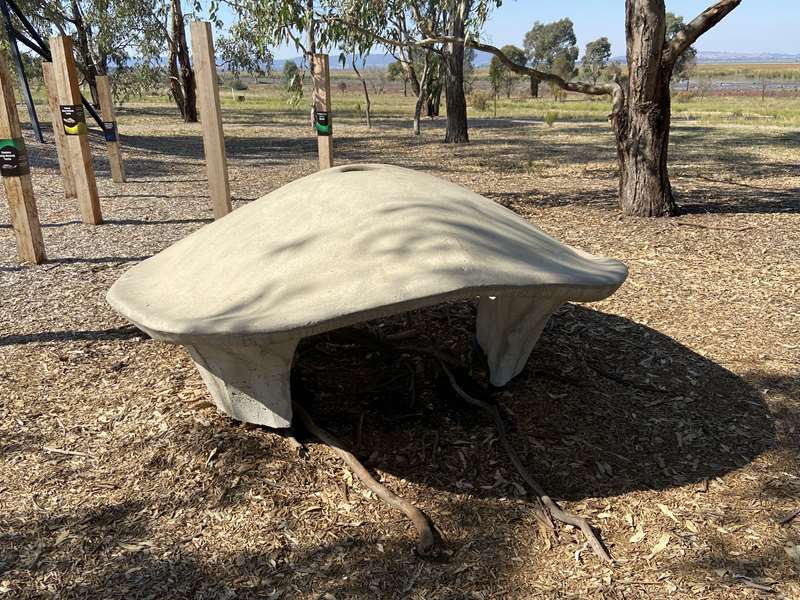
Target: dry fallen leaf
<point>638,536</point>
<point>663,542</point>
<point>665,509</point>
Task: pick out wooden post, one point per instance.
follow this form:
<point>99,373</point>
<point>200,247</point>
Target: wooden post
<point>111,130</point>
<point>18,186</point>
<point>320,71</point>
<point>205,69</point>
<point>77,142</point>
<point>68,179</point>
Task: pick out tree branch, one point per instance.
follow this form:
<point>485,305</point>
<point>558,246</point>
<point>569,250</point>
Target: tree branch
<point>697,27</point>
<point>610,89</point>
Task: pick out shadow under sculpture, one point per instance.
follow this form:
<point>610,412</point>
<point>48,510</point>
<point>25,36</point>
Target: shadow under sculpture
<point>341,247</point>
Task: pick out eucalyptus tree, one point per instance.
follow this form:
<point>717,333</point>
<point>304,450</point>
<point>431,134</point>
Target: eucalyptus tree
<point>397,72</point>
<point>105,33</point>
<point>551,47</point>
<point>461,19</point>
<point>242,50</point>
<point>640,115</point>
<point>686,61</point>
<point>445,25</point>
<point>500,76</point>
<point>595,59</point>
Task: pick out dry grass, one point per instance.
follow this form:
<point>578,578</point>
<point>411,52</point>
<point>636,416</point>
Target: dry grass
<point>667,415</point>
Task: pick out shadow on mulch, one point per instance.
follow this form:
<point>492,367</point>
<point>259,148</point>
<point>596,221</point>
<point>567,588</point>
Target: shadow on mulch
<point>605,406</point>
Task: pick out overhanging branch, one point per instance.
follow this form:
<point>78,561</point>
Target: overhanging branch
<point>697,27</point>
<point>611,89</point>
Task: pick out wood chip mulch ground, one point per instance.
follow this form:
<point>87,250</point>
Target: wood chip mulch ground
<point>666,415</point>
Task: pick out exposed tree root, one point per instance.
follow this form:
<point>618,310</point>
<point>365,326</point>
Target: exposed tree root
<point>429,541</point>
<point>547,508</point>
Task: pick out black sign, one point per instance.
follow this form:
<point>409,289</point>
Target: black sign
<point>13,158</point>
<point>110,130</point>
<point>73,119</point>
<point>322,123</point>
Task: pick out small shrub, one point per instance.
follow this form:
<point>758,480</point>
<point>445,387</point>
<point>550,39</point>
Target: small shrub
<point>550,117</point>
<point>479,100</point>
<point>737,114</point>
<point>684,96</point>
<point>238,85</point>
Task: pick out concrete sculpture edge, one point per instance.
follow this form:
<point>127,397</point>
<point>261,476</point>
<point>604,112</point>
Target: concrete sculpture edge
<point>341,247</point>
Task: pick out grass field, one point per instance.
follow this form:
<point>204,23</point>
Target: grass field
<point>667,415</point>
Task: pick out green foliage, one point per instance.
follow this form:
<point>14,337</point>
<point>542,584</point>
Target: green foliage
<point>293,79</point>
<point>135,82</point>
<point>500,76</point>
<point>550,117</point>
<point>396,72</point>
<point>551,47</point>
<point>479,100</point>
<point>243,50</point>
<point>238,85</point>
<point>595,59</point>
<point>289,72</point>
<point>687,60</point>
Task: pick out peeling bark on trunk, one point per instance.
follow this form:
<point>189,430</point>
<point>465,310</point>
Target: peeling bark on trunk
<point>457,128</point>
<point>641,118</point>
<point>175,88</point>
<point>186,73</point>
<point>421,92</point>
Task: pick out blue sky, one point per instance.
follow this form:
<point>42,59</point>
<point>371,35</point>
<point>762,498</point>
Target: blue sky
<point>755,26</point>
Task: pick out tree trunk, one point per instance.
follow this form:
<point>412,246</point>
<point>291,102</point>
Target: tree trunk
<point>534,87</point>
<point>457,128</point>
<point>434,100</point>
<point>641,118</point>
<point>420,87</point>
<point>367,103</point>
<point>418,111</point>
<point>187,81</point>
<point>174,74</point>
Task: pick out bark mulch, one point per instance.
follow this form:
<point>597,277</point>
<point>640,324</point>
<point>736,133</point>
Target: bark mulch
<point>666,415</point>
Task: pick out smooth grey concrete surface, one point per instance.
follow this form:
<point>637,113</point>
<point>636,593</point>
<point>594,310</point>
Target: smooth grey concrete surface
<point>340,247</point>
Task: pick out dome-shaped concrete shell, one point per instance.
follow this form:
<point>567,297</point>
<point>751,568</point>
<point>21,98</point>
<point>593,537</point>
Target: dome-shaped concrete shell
<point>343,246</point>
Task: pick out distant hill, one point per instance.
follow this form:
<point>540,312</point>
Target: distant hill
<point>709,57</point>
<point>482,59</point>
<point>742,57</point>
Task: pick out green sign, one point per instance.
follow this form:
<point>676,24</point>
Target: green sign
<point>322,123</point>
<point>13,158</point>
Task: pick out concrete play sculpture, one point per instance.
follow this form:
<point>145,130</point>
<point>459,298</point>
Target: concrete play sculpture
<point>343,246</point>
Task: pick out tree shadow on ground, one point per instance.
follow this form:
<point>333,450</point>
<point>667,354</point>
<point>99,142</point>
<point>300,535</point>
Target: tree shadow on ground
<point>597,391</point>
<point>605,406</point>
<point>77,260</point>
